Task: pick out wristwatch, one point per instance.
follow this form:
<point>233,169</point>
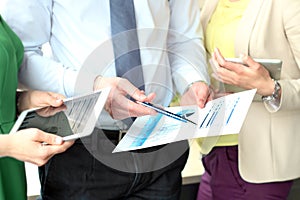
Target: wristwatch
<point>275,94</point>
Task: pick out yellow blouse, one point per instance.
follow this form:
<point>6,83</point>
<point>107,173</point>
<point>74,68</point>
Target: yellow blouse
<point>222,26</point>
<point>220,33</point>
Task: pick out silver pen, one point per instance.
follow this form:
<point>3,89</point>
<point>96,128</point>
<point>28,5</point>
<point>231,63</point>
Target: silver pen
<point>165,112</point>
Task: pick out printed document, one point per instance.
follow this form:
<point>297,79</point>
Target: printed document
<point>221,116</point>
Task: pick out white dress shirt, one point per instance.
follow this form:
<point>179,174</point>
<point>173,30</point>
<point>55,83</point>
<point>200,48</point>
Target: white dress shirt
<point>170,38</point>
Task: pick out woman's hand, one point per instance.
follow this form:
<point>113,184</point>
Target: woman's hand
<point>248,76</point>
<point>32,145</point>
<point>34,98</point>
<point>50,110</point>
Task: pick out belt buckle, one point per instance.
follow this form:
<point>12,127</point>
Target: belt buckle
<point>121,134</point>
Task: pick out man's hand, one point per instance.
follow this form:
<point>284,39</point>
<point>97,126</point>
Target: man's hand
<point>118,105</point>
<point>34,98</point>
<point>198,94</point>
<point>33,145</point>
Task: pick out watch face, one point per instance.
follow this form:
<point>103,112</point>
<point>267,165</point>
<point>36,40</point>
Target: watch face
<point>268,98</point>
<point>276,89</point>
<point>274,95</point>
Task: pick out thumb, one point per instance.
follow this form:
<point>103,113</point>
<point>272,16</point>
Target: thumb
<point>131,90</point>
<point>55,99</point>
<point>49,138</point>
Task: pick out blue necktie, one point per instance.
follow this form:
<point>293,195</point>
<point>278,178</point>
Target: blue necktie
<point>125,42</point>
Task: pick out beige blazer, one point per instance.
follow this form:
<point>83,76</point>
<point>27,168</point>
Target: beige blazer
<point>269,143</point>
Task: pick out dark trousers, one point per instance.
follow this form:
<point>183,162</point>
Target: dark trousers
<point>222,181</point>
<point>88,171</point>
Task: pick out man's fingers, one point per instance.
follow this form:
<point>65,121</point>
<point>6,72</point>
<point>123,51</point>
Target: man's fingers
<point>127,108</point>
<point>128,88</point>
<point>136,110</point>
<point>202,96</point>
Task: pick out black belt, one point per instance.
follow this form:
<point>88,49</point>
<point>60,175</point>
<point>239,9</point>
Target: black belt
<point>114,135</point>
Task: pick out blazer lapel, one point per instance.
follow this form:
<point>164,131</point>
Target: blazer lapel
<point>209,7</point>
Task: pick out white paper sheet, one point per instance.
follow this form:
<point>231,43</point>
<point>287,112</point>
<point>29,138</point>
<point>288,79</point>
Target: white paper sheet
<point>221,116</point>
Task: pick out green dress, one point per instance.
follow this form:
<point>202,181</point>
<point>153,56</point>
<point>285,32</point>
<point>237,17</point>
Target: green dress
<point>12,172</point>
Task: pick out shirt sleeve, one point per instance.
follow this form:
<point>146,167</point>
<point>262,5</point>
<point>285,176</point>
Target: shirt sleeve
<point>185,44</point>
<point>31,21</point>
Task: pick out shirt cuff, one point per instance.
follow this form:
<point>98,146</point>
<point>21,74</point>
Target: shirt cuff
<point>191,84</point>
